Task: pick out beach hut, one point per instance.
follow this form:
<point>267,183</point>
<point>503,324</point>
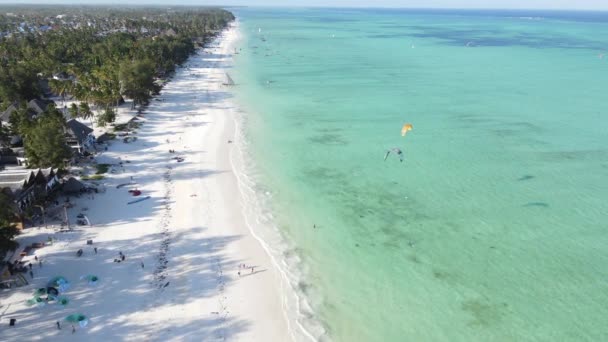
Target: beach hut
<point>105,137</point>
<point>6,115</point>
<point>72,186</point>
<point>78,136</point>
<point>37,107</point>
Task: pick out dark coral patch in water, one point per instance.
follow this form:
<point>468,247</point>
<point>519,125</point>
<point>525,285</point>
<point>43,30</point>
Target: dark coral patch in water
<point>328,139</point>
<point>537,204</point>
<point>484,314</point>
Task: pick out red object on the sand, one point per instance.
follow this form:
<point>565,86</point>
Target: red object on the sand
<point>135,192</point>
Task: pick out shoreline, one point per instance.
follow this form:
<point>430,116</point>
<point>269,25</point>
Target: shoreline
<point>260,220</point>
<point>261,227</point>
<point>187,231</point>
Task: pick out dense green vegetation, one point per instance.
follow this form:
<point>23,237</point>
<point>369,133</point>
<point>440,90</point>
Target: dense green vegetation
<point>102,168</point>
<point>7,228</point>
<point>46,142</point>
<point>97,55</point>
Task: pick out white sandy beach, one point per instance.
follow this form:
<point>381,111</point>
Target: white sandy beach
<point>194,220</point>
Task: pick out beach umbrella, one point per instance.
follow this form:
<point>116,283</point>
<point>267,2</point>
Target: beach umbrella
<point>63,301</point>
<point>52,292</point>
<point>36,301</point>
<point>81,319</point>
<point>32,301</point>
<point>40,292</point>
<point>60,283</point>
<point>91,279</point>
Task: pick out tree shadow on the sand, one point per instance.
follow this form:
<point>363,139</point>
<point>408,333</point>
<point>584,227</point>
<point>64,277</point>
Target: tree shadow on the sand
<point>157,161</point>
<point>153,168</point>
<point>123,310</point>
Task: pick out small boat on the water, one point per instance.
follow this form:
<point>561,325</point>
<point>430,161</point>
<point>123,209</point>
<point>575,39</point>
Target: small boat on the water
<point>229,81</point>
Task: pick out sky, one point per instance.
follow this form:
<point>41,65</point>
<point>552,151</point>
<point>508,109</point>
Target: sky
<point>491,4</point>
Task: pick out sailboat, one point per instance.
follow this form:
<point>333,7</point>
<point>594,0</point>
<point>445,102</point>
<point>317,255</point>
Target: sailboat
<point>229,81</point>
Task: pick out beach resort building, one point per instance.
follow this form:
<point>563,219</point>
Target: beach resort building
<point>28,187</point>
<point>79,136</point>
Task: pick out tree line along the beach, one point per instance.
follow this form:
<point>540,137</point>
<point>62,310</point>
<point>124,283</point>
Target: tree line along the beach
<point>97,56</point>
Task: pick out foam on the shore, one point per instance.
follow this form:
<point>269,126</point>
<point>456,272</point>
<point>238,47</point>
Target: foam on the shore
<point>260,222</point>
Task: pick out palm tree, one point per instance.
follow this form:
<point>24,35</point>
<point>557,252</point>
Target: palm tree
<point>74,111</point>
<point>85,111</point>
<point>61,88</point>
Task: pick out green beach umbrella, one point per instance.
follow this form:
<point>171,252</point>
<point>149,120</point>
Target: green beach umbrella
<point>60,283</point>
<point>40,292</point>
<point>63,301</point>
<point>81,319</point>
<point>91,279</point>
<point>36,301</point>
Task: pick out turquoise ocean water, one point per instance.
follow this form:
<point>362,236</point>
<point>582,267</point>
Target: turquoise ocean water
<point>494,228</point>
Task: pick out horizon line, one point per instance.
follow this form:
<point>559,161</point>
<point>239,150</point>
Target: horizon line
<point>51,4</point>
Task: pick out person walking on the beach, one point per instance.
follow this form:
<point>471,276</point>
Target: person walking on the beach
<point>58,325</point>
<point>122,257</point>
<point>73,329</point>
<point>36,257</point>
<point>239,273</point>
<point>252,269</point>
<point>32,274</point>
<point>142,265</point>
<point>95,249</point>
<point>30,265</point>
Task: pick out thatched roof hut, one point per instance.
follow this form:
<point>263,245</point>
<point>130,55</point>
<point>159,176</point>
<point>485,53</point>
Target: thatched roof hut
<point>72,186</point>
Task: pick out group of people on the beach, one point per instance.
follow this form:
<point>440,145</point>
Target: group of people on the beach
<point>245,267</point>
<point>32,271</point>
<point>59,327</point>
<point>121,257</point>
